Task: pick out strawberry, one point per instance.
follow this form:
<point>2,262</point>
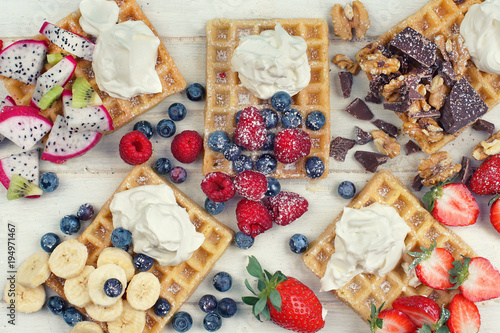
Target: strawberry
<point>486,179</point>
<point>390,321</point>
<point>477,279</point>
<point>452,204</point>
<point>284,300</point>
<point>420,309</point>
<point>464,315</point>
<point>495,213</point>
<point>432,266</point>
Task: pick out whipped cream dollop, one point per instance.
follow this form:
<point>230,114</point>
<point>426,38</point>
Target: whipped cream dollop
<point>272,61</point>
<point>370,239</point>
<point>98,15</point>
<point>480,29</point>
<point>160,228</point>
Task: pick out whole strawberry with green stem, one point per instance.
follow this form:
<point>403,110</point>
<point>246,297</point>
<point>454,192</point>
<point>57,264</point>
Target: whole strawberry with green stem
<point>284,300</point>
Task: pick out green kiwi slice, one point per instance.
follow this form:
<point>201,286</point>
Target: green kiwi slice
<point>54,58</point>
<point>20,187</point>
<point>84,95</point>
<point>49,98</point>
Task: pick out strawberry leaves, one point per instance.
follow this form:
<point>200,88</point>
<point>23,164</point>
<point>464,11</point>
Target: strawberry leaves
<point>375,322</point>
<point>435,193</point>
<point>459,272</point>
<point>421,256</point>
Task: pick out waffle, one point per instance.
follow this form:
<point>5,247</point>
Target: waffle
<point>441,17</point>
<point>226,96</point>
<point>364,288</point>
<point>122,111</point>
<point>177,282</point>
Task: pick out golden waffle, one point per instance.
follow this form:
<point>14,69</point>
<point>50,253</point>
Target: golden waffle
<point>441,17</point>
<point>365,288</point>
<point>226,96</point>
<point>177,282</point>
<point>122,111</point>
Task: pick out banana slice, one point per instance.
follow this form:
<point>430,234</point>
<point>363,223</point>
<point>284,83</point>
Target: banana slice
<point>76,289</point>
<point>109,313</point>
<point>68,259</point>
<point>131,321</point>
<point>96,283</point>
<point>114,255</point>
<point>86,327</point>
<point>34,271</point>
<point>143,291</point>
<point>26,300</point>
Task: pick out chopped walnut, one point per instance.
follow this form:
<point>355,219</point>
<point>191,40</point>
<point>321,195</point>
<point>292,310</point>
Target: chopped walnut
<point>385,144</point>
<point>438,92</point>
<point>440,41</point>
<point>488,147</point>
<point>377,63</point>
<point>350,18</point>
<point>426,129</point>
<point>392,90</point>
<point>437,168</point>
<point>344,62</point>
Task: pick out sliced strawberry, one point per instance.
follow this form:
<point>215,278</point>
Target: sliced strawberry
<point>477,279</point>
<point>495,213</point>
<point>420,309</point>
<point>390,321</point>
<point>432,266</point>
<point>486,179</point>
<point>464,315</point>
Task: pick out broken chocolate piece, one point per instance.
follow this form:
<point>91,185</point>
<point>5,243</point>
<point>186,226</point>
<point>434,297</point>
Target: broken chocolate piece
<point>432,113</point>
<point>370,160</point>
<point>397,106</point>
<point>448,74</point>
<point>411,147</point>
<point>466,172</point>
<point>410,92</point>
<point>359,110</point>
<point>345,83</point>
<point>425,74</point>
<point>459,2</point>
<point>362,137</point>
<point>388,128</point>
<point>413,44</point>
<point>373,97</point>
<point>417,183</point>
<point>339,148</point>
<point>484,126</point>
<point>379,80</point>
<point>462,107</point>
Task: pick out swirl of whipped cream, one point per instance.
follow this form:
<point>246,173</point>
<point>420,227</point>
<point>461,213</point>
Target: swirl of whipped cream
<point>272,61</point>
<point>98,15</point>
<point>480,29</point>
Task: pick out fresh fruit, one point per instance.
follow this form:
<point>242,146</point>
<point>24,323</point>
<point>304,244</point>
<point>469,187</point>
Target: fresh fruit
<point>130,320</point>
<point>242,163</point>
<point>121,238</point>
<point>266,164</point>
<point>143,262</point>
<point>486,179</point>
<point>432,265</point>
<point>56,305</point>
<point>117,256</point>
<point>49,182</point>
<point>113,287</point>
<point>420,309</point>
<point>23,60</point>
<point>252,217</point>
<point>269,144</point>
<point>186,146</point>
<point>98,278</point>
<point>251,129</point>
<point>286,207</point>
<point>85,212</point>
<point>315,120</point>
<point>291,144</point>
<point>298,243</point>
<point>26,300</point>
<point>218,187</point>
<point>21,188</point>
<point>273,187</point>
<point>281,101</point>
<point>49,242</point>
<point>222,281</point>
<point>270,118</point>
<point>243,241</point>
<point>390,321</point>
<point>346,190</point>
<point>212,322</point>
<point>34,271</point>
<point>135,148</point>
<point>68,41</point>
<point>105,313</point>
<point>217,141</point>
<point>50,97</point>
<point>213,207</point>
<point>163,166</point>
<point>182,321</point>
<point>76,288</point>
<point>208,303</point>
<point>72,316</point>
<point>161,307</point>
<point>284,300</point>
<point>251,185</point>
<point>88,118</point>
<point>464,315</point>
<point>314,167</point>
<point>178,175</point>
<point>24,164</point>
<point>70,224</point>
<point>177,111</point>
<point>231,152</point>
<point>143,291</point>
<point>495,213</point>
<point>54,58</point>
<point>144,127</point>
<point>195,92</point>
<point>68,259</point>
<point>227,307</point>
<point>291,119</point>
<point>86,327</point>
<point>83,94</point>
<point>165,128</point>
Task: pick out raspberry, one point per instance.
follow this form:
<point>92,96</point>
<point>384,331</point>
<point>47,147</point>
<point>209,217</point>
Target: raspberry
<point>135,148</point>
<point>253,217</point>
<point>251,129</point>
<point>186,146</point>
<point>291,144</point>
<point>218,187</point>
<point>251,185</point>
<point>286,207</point>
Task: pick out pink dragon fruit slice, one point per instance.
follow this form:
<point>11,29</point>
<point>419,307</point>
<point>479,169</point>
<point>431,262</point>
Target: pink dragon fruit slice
<point>90,118</point>
<point>8,101</point>
<point>68,41</point>
<point>24,164</point>
<point>64,144</point>
<point>23,125</point>
<point>23,60</point>
<point>58,75</point>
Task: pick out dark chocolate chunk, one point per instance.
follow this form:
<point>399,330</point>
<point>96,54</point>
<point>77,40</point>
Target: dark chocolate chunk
<point>388,128</point>
<point>413,44</point>
<point>425,73</point>
<point>432,113</point>
<point>359,110</point>
<point>339,148</point>
<point>459,2</point>
<point>379,80</point>
<point>410,92</point>
<point>345,83</point>
<point>370,160</point>
<point>397,106</point>
<point>484,126</point>
<point>466,171</point>
<point>373,97</point>
<point>362,137</point>
<point>448,74</point>
<point>411,147</point>
<point>462,107</point>
<point>417,183</point>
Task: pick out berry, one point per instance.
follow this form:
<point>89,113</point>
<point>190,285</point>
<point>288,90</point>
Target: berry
<point>121,238</point>
<point>143,262</point>
<point>177,111</point>
<point>135,148</point>
<point>163,166</point>
<point>486,179</point>
<point>56,305</point>
<point>252,217</point>
<point>195,92</point>
<point>232,152</point>
<point>85,212</point>
<point>270,118</point>
<point>218,187</point>
<point>243,241</point>
<point>251,185</point>
<point>182,321</point>
<point>113,287</point>
<point>227,307</point>
<point>291,144</point>
<point>291,119</point>
<point>315,120</point>
<point>161,307</point>
<point>242,163</point>
<point>266,164</point>
<point>273,187</point>
<point>432,266</point>
<point>217,141</point>
<point>213,207</point>
<point>464,315</point>
<point>251,130</point>
<point>391,321</point>
<point>165,128</point>
<point>212,322</point>
<point>495,214</point>
<point>269,144</point>
<point>144,127</point>
<point>49,182</point>
<point>49,242</point>
<point>186,146</point>
<point>70,224</point>
<point>298,243</point>
<point>281,101</point>
<point>237,117</point>
<point>286,207</point>
<point>208,303</point>
<point>222,281</point>
<point>314,167</point>
<point>178,175</point>
<point>420,309</point>
<point>347,190</point>
<point>72,316</point>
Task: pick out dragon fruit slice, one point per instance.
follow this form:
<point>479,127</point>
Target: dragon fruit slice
<point>68,41</point>
<point>23,125</point>
<point>23,60</point>
<point>24,164</point>
<point>64,144</point>
<point>89,118</point>
<point>8,101</point>
<point>58,75</point>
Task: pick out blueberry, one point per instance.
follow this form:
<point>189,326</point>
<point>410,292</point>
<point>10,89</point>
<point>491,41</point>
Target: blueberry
<point>227,308</point>
<point>270,118</point>
<point>347,190</point>
<point>242,163</point>
<point>161,307</point>
<point>121,238</point>
<point>85,212</point>
<point>113,287</point>
<point>177,111</point>
<point>222,281</point>
<point>165,128</point>
<point>217,141</point>
<point>291,119</point>
<point>49,242</point>
<point>70,224</point>
<point>56,305</point>
<point>145,127</point>
<point>143,262</point>
<point>178,175</point>
<point>232,152</point>
<point>195,92</point>
<point>315,120</point>
<point>182,321</point>
<point>269,144</point>
<point>163,166</point>
<point>281,101</point>
<point>314,167</point>
<point>298,243</point>
<point>72,316</point>
<point>214,208</point>
<point>212,322</point>
<point>49,182</point>
<point>266,164</point>
<point>243,241</point>
<point>208,303</point>
<point>273,187</point>
<point>237,117</point>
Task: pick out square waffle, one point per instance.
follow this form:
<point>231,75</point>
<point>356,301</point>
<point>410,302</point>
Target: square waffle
<point>177,282</point>
<point>226,96</point>
<point>364,288</point>
<point>441,17</point>
<point>122,111</point>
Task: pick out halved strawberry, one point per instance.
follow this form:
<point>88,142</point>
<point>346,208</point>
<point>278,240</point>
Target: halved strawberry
<point>390,321</point>
<point>420,309</point>
<point>464,315</point>
<point>432,266</point>
<point>486,179</point>
<point>495,213</point>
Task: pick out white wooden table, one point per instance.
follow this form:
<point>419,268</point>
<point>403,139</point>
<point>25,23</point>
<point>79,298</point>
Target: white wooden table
<point>94,177</point>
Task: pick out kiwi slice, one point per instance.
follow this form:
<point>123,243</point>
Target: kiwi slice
<point>49,97</point>
<point>84,95</point>
<point>54,58</point>
<point>20,187</point>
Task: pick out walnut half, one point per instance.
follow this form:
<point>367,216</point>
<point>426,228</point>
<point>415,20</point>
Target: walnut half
<point>344,62</point>
<point>350,18</point>
<point>437,168</point>
<point>385,144</point>
<point>488,147</point>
